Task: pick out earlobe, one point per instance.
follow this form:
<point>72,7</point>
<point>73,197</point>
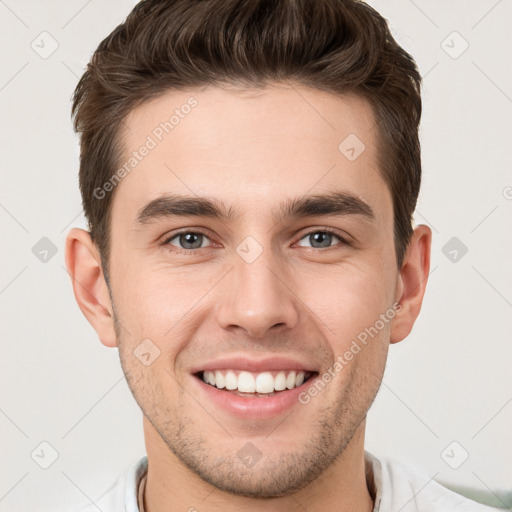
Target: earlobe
<point>89,286</point>
<point>412,282</point>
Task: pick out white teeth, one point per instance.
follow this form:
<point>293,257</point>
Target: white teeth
<point>280,381</point>
<point>290,380</point>
<point>247,382</point>
<point>231,381</point>
<point>265,383</point>
<point>220,382</point>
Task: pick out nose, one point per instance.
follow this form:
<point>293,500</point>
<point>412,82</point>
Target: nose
<point>257,297</point>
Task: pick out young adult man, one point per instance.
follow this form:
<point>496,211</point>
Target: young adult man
<point>249,170</point>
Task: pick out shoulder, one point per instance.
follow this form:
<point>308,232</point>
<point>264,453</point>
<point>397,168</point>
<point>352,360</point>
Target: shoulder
<point>399,487</point>
<point>121,496</point>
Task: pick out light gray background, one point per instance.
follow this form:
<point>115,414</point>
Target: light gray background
<point>449,381</point>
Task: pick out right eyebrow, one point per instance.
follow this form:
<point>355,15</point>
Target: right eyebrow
<point>171,205</point>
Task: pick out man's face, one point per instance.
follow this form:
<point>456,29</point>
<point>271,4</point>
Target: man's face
<point>259,292</point>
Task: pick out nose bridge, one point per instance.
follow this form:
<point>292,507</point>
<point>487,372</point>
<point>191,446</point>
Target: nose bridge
<point>255,297</point>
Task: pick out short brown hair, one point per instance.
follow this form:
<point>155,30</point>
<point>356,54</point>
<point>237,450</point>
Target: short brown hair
<point>338,46</point>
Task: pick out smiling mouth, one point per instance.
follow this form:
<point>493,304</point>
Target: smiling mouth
<point>251,384</point>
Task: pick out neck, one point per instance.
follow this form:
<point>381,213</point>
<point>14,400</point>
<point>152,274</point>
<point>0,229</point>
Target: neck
<point>171,486</point>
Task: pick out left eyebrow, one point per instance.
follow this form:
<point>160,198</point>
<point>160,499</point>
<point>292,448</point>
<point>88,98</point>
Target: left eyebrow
<point>334,203</point>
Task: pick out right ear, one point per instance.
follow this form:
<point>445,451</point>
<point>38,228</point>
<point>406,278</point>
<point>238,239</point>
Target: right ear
<point>91,292</point>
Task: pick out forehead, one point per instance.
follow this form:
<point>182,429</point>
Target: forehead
<point>249,148</point>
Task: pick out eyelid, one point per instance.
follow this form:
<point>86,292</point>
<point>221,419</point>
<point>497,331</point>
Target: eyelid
<point>343,238</point>
<point>200,231</point>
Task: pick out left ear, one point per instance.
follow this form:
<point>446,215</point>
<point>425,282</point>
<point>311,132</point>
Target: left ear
<point>412,282</point>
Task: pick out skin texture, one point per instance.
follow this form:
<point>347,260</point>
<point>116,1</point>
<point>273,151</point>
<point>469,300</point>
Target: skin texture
<point>252,150</point>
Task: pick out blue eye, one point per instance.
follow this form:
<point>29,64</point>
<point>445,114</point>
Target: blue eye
<point>189,240</point>
<point>322,239</point>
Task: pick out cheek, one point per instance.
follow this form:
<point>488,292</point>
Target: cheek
<point>348,301</point>
<point>153,301</point>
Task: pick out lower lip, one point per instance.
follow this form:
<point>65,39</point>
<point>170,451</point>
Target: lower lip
<point>254,407</point>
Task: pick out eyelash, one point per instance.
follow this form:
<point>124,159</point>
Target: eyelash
<point>200,232</point>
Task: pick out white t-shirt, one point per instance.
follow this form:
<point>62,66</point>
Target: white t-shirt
<point>397,488</point>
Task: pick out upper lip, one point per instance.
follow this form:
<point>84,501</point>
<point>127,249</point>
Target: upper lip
<point>255,364</point>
